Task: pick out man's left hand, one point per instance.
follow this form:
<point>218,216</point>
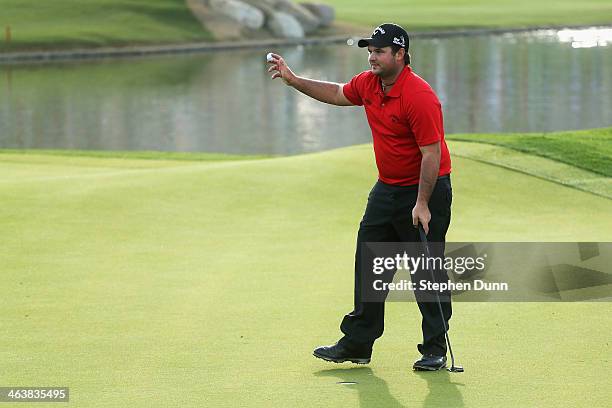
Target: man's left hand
<point>421,214</point>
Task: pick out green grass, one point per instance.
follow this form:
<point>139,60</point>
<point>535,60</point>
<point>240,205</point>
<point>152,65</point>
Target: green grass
<point>534,165</point>
<point>585,149</point>
<point>425,15</point>
<point>93,23</point>
<point>207,283</point>
<point>148,155</point>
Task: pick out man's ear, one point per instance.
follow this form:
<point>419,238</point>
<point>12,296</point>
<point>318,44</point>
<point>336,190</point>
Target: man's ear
<point>400,54</point>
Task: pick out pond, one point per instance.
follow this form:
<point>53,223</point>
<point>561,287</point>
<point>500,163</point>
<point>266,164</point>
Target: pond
<point>224,101</point>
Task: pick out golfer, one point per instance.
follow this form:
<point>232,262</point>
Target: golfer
<point>413,184</point>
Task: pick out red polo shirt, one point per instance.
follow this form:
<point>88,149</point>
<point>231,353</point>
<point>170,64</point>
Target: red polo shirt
<point>409,116</point>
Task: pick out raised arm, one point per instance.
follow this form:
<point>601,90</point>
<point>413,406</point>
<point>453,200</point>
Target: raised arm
<point>328,92</point>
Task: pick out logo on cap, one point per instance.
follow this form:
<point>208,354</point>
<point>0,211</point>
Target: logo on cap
<point>399,41</point>
<point>378,29</point>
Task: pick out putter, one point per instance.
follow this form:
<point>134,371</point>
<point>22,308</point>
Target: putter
<point>453,368</point>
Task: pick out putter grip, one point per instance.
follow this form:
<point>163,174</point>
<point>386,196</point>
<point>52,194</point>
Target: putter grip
<point>424,239</point>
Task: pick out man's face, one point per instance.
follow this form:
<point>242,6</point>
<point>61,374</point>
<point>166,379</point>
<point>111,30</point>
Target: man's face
<point>382,61</point>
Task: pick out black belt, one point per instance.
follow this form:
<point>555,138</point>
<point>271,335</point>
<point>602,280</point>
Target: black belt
<point>412,186</point>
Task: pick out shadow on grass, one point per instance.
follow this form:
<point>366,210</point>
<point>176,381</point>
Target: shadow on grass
<point>442,391</point>
<point>374,391</point>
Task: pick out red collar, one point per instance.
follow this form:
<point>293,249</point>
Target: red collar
<point>397,86</point>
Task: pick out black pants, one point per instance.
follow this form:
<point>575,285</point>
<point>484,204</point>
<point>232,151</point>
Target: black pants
<point>388,218</point>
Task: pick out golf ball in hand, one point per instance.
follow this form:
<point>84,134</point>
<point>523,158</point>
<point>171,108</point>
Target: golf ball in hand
<point>269,57</point>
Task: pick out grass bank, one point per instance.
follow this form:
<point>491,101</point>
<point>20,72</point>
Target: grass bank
<point>589,150</point>
<point>62,24</point>
<point>95,23</point>
<point>186,283</point>
<point>428,15</point>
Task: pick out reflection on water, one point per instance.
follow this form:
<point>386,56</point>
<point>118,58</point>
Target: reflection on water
<point>586,38</point>
<point>225,101</point>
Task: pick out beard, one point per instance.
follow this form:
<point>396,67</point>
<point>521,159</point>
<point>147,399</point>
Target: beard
<point>385,72</point>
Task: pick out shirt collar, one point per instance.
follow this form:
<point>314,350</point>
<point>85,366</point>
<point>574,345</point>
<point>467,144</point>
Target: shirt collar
<point>397,87</point>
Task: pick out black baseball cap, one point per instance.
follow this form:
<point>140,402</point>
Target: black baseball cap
<point>386,35</point>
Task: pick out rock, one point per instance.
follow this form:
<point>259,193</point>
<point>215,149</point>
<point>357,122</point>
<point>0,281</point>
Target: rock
<point>325,13</point>
<point>222,27</point>
<point>243,13</point>
<point>266,6</point>
<point>285,25</point>
<point>279,26</point>
<point>307,19</point>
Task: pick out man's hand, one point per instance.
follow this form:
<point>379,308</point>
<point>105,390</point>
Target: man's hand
<point>421,214</point>
<point>328,92</point>
<point>280,69</point>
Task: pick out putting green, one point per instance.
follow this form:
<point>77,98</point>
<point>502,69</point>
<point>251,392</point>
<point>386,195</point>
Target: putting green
<point>175,283</point>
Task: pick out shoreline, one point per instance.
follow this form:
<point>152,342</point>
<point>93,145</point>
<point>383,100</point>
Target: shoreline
<point>203,47</point>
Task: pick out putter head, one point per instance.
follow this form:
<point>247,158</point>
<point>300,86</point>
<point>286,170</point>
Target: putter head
<point>456,369</point>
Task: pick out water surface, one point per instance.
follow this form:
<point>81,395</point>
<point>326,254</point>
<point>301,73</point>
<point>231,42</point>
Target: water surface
<point>225,102</point>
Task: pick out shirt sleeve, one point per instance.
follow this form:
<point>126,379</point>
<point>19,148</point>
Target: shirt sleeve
<point>425,118</point>
<point>351,90</point>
